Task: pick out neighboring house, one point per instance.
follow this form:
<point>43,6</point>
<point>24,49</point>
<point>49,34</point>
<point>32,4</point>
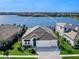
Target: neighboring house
<point>8,33</point>
<point>70,32</point>
<point>39,36</point>
<point>73,38</point>
<point>61,28</point>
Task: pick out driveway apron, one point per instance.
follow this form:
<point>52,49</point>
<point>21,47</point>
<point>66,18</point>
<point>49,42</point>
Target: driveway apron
<point>48,53</point>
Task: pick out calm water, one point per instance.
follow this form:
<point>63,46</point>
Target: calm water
<point>32,21</point>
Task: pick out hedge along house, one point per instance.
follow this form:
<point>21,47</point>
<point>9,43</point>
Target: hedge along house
<point>39,36</point>
<point>8,33</point>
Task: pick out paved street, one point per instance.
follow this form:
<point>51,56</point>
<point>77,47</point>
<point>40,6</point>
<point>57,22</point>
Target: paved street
<point>48,53</point>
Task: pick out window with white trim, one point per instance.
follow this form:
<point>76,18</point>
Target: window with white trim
<point>27,42</point>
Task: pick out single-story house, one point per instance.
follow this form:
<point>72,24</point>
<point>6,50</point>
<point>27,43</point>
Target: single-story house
<point>8,33</point>
<point>39,36</point>
<point>73,38</point>
<point>64,27</point>
<point>70,32</point>
<point>60,28</point>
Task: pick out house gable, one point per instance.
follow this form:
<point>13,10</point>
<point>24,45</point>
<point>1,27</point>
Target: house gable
<point>77,39</point>
<point>42,32</point>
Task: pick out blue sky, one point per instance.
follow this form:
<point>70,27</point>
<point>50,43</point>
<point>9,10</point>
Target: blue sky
<point>39,5</point>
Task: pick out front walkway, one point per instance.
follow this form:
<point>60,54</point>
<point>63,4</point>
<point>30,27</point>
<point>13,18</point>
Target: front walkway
<point>48,53</point>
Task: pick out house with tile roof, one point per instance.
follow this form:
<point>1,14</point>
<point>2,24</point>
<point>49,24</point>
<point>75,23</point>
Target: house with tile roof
<point>8,33</point>
<point>70,32</point>
<point>73,38</point>
<point>39,36</point>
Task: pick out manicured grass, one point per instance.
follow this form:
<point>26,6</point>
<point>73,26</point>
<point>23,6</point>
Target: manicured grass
<point>24,58</point>
<point>65,47</point>
<point>2,58</point>
<point>18,58</point>
<point>1,52</point>
<point>68,49</point>
<point>70,57</point>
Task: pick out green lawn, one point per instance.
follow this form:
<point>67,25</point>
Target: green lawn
<point>70,57</point>
<point>24,58</point>
<point>65,47</point>
<point>19,58</point>
<point>68,49</point>
<point>15,50</point>
<point>1,52</point>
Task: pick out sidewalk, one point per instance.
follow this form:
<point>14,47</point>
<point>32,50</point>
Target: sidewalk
<point>35,56</point>
<point>69,55</point>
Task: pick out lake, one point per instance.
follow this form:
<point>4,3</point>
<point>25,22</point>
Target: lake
<point>32,21</point>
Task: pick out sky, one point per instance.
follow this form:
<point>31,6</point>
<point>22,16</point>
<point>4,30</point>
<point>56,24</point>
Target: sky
<point>39,5</point>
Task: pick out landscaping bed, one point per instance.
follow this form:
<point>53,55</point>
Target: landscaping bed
<point>16,51</point>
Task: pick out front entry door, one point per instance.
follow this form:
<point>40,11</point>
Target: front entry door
<point>34,42</point>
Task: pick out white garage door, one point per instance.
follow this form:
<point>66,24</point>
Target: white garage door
<point>46,43</point>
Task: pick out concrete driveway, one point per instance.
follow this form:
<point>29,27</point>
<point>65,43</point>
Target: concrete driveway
<point>48,53</point>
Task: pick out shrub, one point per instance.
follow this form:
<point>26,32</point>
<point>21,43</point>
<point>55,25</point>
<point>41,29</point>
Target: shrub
<point>69,51</point>
<point>6,53</point>
<point>31,50</point>
<point>21,49</point>
<point>62,48</point>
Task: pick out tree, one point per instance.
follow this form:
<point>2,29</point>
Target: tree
<point>18,25</point>
<point>5,52</point>
<point>24,28</point>
<point>14,24</point>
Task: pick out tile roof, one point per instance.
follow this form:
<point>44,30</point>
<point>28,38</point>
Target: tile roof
<point>72,34</point>
<point>43,33</point>
<point>6,31</point>
<point>69,26</point>
<point>61,24</point>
